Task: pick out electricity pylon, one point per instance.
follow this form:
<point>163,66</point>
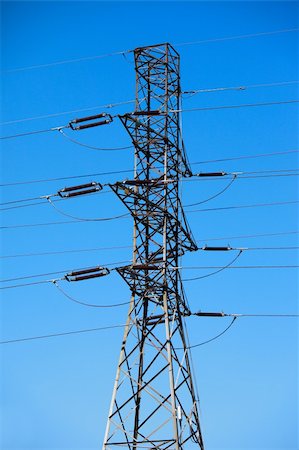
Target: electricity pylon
<point>154,405</point>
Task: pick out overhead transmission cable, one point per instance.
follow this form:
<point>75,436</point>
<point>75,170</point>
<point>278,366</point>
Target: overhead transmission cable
<point>245,105</point>
<point>63,113</point>
<point>89,330</point>
<point>188,93</point>
<point>60,128</point>
<point>237,88</point>
<point>67,333</point>
<point>234,158</point>
<point>99,187</point>
<point>99,271</point>
<point>96,249</point>
<point>256,205</point>
<point>125,52</point>
<point>219,269</point>
<point>127,215</point>
<point>240,36</point>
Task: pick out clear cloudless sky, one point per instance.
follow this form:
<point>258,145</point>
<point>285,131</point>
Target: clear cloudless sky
<point>55,393</point>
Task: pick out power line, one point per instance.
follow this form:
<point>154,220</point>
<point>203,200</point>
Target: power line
<point>92,147</point>
<point>126,102</point>
<point>67,61</point>
<point>210,108</point>
<point>124,52</point>
<point>89,330</point>
<point>71,177</point>
<point>235,158</point>
<point>46,336</point>
<point>249,236</point>
<point>256,205</point>
<point>215,337</point>
<point>28,133</point>
<point>236,316</point>
<point>96,249</point>
<point>44,224</point>
<point>21,255</point>
<point>239,267</point>
<point>47,180</point>
<point>45,201</point>
<point>57,272</point>
<point>196,178</point>
<point>239,88</point>
<point>47,116</point>
<point>240,36</point>
<point>215,195</point>
<point>219,269</point>
<point>26,284</point>
<point>91,305</point>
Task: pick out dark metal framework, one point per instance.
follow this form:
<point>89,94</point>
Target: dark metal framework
<point>154,405</point>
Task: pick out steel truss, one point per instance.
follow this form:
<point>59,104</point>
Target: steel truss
<point>153,403</point>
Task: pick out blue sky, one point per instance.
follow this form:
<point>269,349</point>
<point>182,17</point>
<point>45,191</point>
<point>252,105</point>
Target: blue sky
<point>55,393</point>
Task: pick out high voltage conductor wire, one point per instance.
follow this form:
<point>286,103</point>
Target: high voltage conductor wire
<point>238,88</point>
<point>67,333</point>
<point>127,215</point>
<point>215,195</point>
<point>47,180</point>
<point>190,93</point>
<point>219,269</point>
<point>256,205</point>
<point>212,339</point>
<point>85,219</point>
<point>125,52</point>
<point>209,108</point>
<point>55,273</point>
<point>240,36</point>
<point>89,330</point>
<point>249,236</point>
<point>195,177</point>
<point>248,105</point>
<point>96,249</point>
<point>20,255</point>
<point>44,197</point>
<point>29,225</point>
<point>47,116</point>
<point>84,303</point>
<point>92,147</point>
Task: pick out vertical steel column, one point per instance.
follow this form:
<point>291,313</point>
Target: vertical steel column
<point>153,403</point>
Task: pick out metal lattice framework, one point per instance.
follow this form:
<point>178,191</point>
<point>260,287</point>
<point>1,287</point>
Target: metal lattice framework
<point>153,403</point>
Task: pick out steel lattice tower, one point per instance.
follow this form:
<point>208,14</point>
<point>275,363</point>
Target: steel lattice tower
<point>153,403</point>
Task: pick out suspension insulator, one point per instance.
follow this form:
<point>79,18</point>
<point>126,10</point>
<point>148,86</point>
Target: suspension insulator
<point>144,267</point>
<point>108,119</point>
<point>216,249</point>
<point>82,189</point>
<point>147,113</point>
<point>210,314</point>
<point>211,174</point>
<point>86,274</point>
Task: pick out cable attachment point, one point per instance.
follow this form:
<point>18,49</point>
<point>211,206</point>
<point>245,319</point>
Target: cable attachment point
<point>81,189</point>
<point>108,119</point>
<point>85,274</point>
